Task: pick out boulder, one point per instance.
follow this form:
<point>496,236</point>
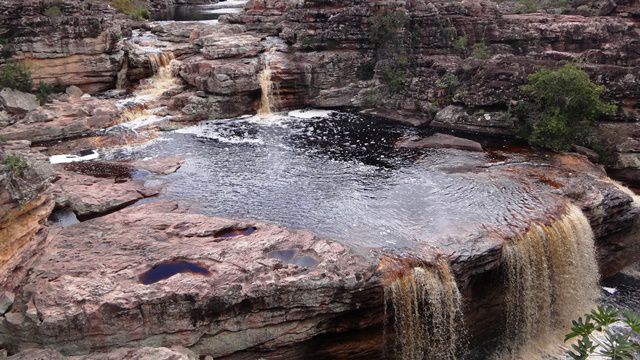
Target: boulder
<point>458,118</point>
<point>74,91</point>
<point>439,140</point>
<point>18,102</point>
<point>6,301</point>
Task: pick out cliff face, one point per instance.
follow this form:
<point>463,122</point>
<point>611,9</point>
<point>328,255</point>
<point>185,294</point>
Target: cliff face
<point>72,42</point>
<point>452,65</point>
<point>25,204</point>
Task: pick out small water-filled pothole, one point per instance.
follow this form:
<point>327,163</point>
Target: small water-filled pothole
<point>235,232</point>
<point>291,256</point>
<point>167,269</point>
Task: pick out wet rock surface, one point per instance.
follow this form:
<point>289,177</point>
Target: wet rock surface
<point>229,288</point>
<point>248,301</point>
<point>438,140</point>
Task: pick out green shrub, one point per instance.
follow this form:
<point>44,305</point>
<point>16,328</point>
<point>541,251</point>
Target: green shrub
<point>480,51</point>
<point>564,105</point>
<point>394,77</point>
<point>386,27</point>
<point>44,91</point>
<point>53,11</point>
<point>619,345</point>
<point>449,82</point>
<point>460,44</point>
<point>16,76</point>
<point>132,8</point>
<point>15,164</point>
<point>395,74</point>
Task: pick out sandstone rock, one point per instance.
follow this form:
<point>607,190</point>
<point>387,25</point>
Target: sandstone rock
<point>457,118</point>
<point>161,166</point>
<point>252,289</point>
<point>78,47</point>
<point>144,353</point>
<point>74,91</point>
<point>6,301</point>
<point>18,102</point>
<point>64,119</point>
<point>90,196</point>
<point>25,204</point>
<point>439,140</point>
<point>273,266</point>
<point>590,154</point>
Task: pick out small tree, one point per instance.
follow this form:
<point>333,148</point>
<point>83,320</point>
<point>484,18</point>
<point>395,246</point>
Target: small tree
<point>566,104</point>
<point>16,76</point>
<point>620,345</point>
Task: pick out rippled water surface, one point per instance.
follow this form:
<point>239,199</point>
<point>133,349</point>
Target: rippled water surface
<point>340,176</point>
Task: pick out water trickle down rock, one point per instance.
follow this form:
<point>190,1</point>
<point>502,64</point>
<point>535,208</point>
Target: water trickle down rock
<point>551,278</point>
<point>266,85</point>
<point>163,78</point>
<point>426,312</point>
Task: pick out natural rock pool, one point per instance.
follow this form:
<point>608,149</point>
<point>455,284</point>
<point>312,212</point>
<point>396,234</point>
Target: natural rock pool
<point>204,12</point>
<point>342,176</point>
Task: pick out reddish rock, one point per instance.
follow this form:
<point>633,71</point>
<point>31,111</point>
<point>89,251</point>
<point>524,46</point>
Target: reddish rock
<point>90,196</point>
<point>64,119</point>
<point>439,140</point>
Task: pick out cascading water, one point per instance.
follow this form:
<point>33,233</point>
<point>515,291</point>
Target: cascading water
<point>163,78</point>
<point>427,313</point>
<point>552,278</point>
<point>266,85</point>
<point>121,82</point>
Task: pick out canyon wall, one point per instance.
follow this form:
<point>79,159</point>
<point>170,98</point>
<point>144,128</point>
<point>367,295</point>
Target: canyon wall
<point>69,42</point>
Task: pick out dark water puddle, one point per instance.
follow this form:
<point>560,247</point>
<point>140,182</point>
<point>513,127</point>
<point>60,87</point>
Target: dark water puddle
<point>290,256</point>
<point>235,232</point>
<point>166,270</point>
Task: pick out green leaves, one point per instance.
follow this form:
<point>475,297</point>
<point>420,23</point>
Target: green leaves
<point>581,328</point>
<point>604,316</point>
<point>566,104</point>
<point>614,345</point>
<point>16,76</point>
<point>583,349</point>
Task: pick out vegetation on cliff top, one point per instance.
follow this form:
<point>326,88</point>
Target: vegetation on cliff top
<point>563,107</point>
<point>133,8</point>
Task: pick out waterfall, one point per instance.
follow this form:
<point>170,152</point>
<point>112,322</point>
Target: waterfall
<point>266,85</point>
<point>427,314</point>
<point>551,279</point>
<point>121,79</point>
<point>163,78</point>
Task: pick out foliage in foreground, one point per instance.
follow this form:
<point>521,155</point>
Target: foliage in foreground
<point>618,345</point>
<point>132,8</point>
<point>16,76</point>
<point>564,106</point>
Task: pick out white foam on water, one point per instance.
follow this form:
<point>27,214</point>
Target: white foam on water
<point>69,158</point>
<point>310,113</point>
<point>143,121</point>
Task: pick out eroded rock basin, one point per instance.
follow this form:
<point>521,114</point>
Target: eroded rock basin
<point>324,206</point>
<point>342,176</point>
